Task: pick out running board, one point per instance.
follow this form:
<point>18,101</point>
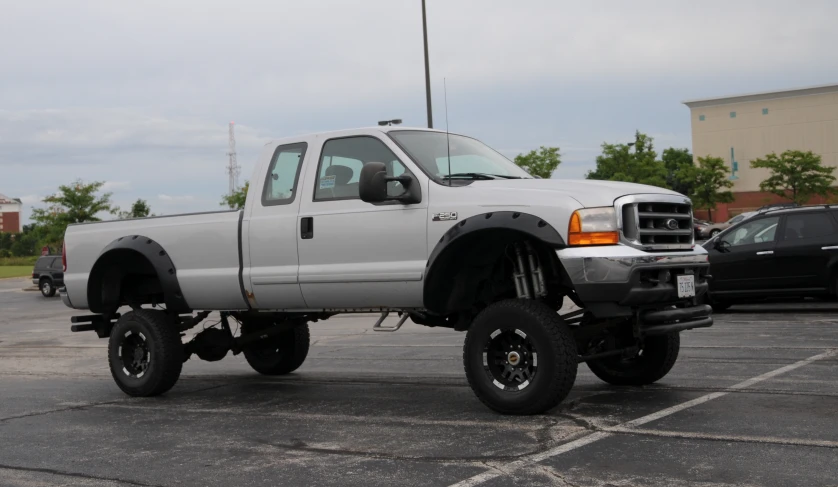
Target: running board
<point>378,327</point>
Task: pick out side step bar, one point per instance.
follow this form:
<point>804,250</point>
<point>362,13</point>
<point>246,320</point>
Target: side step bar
<point>378,327</point>
<point>99,323</point>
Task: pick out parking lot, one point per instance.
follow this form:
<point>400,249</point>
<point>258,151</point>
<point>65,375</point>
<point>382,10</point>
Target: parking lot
<point>752,401</point>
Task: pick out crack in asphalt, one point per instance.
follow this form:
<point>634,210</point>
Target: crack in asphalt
<point>79,407</point>
<point>544,442</point>
<point>689,435</point>
<point>77,475</point>
<point>550,471</point>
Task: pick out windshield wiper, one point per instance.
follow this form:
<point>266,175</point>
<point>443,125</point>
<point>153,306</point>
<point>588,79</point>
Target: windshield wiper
<point>478,175</point>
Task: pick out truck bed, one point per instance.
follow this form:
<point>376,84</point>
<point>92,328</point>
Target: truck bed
<point>204,248</point>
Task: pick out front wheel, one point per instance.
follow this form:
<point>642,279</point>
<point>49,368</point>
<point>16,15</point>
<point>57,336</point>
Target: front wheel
<point>520,357</point>
<point>145,353</point>
<point>281,354</point>
<point>652,362</point>
<point>714,233</point>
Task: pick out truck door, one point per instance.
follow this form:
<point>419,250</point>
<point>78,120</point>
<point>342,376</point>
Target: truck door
<point>272,231</point>
<point>355,254</point>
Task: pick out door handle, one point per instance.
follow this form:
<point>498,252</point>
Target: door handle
<point>765,252</point>
<point>306,227</point>
<point>830,247</point>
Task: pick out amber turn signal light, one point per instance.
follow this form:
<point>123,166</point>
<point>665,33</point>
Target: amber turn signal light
<point>593,226</point>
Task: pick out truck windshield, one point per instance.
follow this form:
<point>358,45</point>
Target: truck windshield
<point>470,158</point>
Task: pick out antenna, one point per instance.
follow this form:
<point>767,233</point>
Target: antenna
<point>233,167</point>
<point>447,137</point>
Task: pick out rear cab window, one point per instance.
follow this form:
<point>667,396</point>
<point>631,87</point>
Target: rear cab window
<point>283,174</point>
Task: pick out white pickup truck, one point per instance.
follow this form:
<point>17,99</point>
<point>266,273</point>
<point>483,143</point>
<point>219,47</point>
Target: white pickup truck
<point>438,228</point>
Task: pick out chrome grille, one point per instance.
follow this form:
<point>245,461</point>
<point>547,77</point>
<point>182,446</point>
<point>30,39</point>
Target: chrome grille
<point>656,222</point>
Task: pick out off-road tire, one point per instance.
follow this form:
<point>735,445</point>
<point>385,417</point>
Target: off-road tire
<point>280,354</point>
<point>165,352</point>
<point>47,288</point>
<point>557,356</point>
<point>658,356</point>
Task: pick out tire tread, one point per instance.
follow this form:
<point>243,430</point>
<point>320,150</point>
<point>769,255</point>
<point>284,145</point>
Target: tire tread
<point>168,352</point>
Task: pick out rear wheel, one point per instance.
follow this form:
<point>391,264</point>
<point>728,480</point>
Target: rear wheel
<point>651,363</point>
<point>47,288</point>
<point>520,357</point>
<point>280,354</point>
<point>145,353</point>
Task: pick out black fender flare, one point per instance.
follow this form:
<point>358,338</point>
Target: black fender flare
<point>445,254</point>
<point>154,254</point>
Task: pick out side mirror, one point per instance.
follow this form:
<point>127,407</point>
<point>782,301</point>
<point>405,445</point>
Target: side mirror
<point>372,185</point>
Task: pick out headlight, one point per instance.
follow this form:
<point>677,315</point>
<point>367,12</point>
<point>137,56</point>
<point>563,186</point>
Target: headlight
<point>593,226</point>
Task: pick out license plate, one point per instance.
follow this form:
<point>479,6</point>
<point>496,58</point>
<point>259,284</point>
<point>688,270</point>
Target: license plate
<point>686,286</point>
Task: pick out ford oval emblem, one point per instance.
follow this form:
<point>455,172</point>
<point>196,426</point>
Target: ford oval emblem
<point>671,224</point>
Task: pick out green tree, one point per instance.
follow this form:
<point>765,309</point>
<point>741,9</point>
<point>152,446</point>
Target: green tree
<point>236,200</point>
<point>709,183</point>
<point>139,209</point>
<point>74,203</point>
<point>796,175</point>
<point>25,244</point>
<point>678,162</point>
<point>635,163</point>
<point>540,163</point>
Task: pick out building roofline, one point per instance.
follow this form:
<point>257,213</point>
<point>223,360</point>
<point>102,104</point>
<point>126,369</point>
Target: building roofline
<point>766,95</point>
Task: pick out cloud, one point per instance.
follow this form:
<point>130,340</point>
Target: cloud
<point>141,93</point>
<point>176,199</point>
<point>116,186</point>
<point>31,199</point>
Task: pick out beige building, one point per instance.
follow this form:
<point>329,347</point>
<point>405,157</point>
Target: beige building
<point>745,127</point>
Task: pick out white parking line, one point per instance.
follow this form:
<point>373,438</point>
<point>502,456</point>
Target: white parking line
<point>601,435</point>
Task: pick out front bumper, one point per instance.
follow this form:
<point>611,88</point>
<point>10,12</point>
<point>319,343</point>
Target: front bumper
<point>617,280</point>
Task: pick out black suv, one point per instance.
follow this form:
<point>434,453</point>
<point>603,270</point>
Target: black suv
<point>778,253</point>
<point>48,274</point>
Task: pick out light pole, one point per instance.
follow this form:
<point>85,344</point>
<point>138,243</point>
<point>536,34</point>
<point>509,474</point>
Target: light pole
<point>427,69</point>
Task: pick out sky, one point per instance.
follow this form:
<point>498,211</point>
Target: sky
<point>139,94</point>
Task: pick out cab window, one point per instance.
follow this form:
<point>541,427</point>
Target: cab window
<point>754,232</point>
<point>283,174</point>
<point>341,161</point>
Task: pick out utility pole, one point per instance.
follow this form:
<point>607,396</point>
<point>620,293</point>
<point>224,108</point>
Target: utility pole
<point>427,69</point>
<point>233,167</point>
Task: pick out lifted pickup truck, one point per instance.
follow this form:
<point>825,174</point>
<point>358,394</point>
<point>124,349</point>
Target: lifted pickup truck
<point>439,228</point>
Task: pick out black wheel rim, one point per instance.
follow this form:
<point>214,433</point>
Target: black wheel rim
<point>510,359</point>
<point>134,354</point>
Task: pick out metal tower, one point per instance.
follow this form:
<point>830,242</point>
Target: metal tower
<point>233,167</point>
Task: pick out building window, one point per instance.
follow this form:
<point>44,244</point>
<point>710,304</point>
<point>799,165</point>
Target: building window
<point>765,111</point>
<point>732,114</point>
<point>701,118</point>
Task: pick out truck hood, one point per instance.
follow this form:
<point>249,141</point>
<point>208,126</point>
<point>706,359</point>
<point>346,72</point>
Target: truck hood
<point>589,193</point>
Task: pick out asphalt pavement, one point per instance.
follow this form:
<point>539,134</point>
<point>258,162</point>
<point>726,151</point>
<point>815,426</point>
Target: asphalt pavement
<point>752,401</point>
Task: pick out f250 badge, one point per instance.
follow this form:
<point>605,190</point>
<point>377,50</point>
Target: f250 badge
<point>445,216</point>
